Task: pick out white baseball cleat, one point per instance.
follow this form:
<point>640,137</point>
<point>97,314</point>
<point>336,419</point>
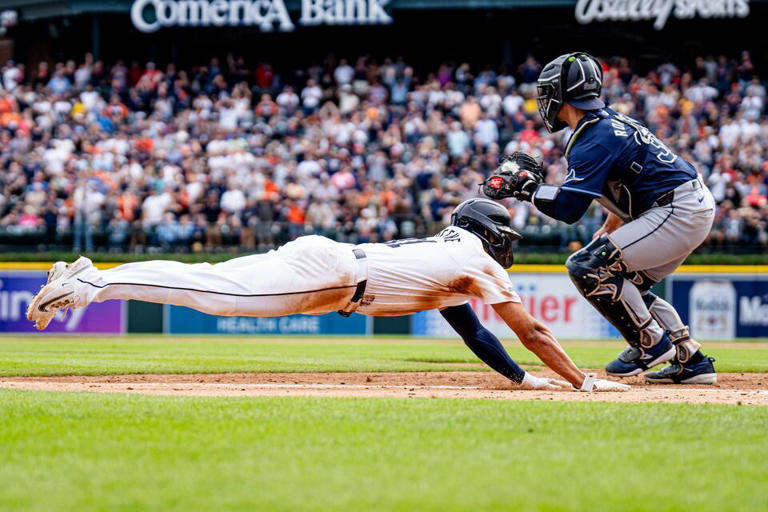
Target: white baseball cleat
<point>56,271</point>
<point>58,293</point>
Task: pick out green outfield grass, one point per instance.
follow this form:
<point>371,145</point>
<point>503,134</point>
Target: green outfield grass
<point>80,451</point>
<point>98,356</point>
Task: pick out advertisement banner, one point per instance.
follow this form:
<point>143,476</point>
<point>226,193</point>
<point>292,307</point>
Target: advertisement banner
<point>721,306</point>
<point>182,320</point>
<point>551,298</point>
<point>17,290</point>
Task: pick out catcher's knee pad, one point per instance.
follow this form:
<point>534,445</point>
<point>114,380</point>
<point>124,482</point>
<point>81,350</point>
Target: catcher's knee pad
<point>641,280</point>
<point>597,269</point>
<point>599,275</point>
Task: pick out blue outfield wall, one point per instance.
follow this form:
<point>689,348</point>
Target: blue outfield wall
<point>721,306</point>
<point>181,320</point>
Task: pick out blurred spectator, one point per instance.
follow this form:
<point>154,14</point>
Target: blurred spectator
<point>154,157</point>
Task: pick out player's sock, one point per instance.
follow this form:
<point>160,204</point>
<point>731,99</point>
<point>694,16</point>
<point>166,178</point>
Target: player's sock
<point>697,357</point>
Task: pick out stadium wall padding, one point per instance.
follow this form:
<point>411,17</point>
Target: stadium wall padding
<point>144,317</point>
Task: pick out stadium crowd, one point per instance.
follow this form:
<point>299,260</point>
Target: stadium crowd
<point>136,157</point>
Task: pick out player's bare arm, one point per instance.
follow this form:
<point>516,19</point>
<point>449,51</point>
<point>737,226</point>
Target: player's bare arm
<point>534,336</point>
<point>539,340</point>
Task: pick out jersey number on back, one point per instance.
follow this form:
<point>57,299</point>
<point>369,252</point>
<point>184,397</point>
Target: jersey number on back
<point>447,235</point>
<point>409,241</point>
<point>644,136</point>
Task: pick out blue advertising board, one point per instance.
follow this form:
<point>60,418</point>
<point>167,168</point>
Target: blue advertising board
<point>721,306</point>
<point>182,320</point>
<point>17,290</point>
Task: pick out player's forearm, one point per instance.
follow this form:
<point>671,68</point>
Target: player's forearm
<point>482,342</point>
<point>537,338</point>
<point>612,223</point>
<point>542,343</point>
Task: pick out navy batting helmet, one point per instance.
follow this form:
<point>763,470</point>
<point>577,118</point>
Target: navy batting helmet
<point>491,223</point>
<point>573,78</point>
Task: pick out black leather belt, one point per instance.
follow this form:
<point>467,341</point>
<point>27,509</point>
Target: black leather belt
<point>667,197</point>
<point>360,290</point>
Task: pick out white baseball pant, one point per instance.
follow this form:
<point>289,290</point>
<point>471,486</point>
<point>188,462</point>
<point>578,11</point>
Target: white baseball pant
<point>311,275</point>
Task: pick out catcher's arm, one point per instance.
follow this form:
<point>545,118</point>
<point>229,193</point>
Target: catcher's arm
<point>520,176</point>
<point>611,224</point>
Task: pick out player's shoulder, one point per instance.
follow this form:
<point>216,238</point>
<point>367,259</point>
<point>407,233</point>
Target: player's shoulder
<point>454,236</point>
<point>599,130</point>
<point>466,247</point>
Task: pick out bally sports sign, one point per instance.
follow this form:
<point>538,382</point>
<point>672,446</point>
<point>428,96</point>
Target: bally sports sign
<point>660,11</point>
<point>152,15</point>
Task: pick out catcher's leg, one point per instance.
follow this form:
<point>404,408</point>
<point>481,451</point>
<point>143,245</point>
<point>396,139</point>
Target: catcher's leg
<point>667,317</point>
<point>690,366</point>
<point>600,276</point>
<point>653,246</point>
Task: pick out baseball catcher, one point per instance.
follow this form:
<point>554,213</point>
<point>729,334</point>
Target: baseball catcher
<point>315,275</point>
<point>660,211</point>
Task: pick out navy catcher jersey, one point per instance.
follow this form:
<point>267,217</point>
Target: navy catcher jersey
<point>615,158</point>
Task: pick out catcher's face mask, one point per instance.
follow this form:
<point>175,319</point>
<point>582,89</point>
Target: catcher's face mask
<point>550,94</point>
<point>574,78</point>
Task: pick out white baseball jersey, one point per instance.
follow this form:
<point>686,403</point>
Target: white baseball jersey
<point>315,275</point>
<point>406,276</point>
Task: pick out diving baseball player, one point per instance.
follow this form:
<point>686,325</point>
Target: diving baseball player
<point>660,211</point>
<point>316,275</point>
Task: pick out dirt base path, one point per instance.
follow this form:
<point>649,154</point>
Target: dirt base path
<point>733,388</point>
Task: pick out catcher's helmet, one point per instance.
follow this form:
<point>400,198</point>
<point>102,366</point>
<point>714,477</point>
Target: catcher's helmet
<point>573,78</point>
<point>491,223</point>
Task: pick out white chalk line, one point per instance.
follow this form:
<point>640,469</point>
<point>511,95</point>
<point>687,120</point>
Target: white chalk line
<point>317,386</point>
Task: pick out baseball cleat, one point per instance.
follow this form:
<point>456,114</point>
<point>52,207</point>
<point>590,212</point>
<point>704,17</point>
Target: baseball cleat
<point>635,360</point>
<point>58,293</point>
<point>702,372</point>
<point>56,271</point>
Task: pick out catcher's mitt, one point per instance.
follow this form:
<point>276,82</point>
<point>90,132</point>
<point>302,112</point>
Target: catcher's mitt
<point>518,176</point>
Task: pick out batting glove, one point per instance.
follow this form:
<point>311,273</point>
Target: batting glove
<point>533,382</point>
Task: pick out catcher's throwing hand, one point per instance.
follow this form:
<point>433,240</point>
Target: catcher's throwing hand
<point>518,176</point>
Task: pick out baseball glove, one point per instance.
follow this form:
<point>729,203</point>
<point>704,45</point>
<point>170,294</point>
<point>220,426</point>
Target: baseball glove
<point>518,176</point>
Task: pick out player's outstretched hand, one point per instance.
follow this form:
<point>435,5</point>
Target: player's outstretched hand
<point>533,382</point>
<point>609,385</point>
<point>591,383</point>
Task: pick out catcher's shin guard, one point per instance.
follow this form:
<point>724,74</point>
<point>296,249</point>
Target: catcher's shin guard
<point>602,278</point>
<point>663,312</point>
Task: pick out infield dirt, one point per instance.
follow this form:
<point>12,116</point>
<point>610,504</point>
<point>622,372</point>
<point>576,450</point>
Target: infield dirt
<point>732,388</point>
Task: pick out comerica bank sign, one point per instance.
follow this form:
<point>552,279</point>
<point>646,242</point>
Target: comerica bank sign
<point>152,15</point>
